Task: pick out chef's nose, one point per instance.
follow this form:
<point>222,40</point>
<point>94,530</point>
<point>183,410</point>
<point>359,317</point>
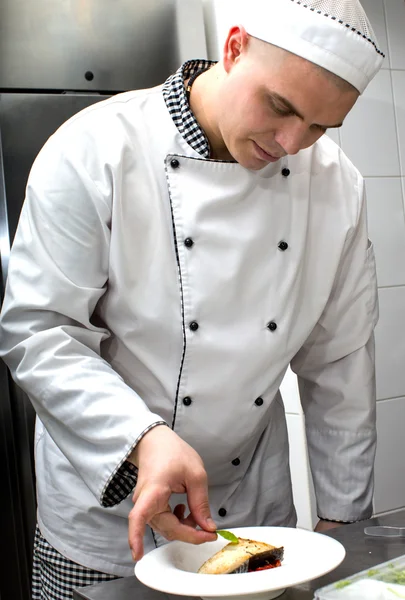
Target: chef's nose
<point>292,136</point>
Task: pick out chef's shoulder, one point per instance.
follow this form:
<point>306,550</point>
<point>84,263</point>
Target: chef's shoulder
<point>331,159</point>
<point>334,174</point>
<point>101,137</point>
<point>125,108</point>
<point>111,119</point>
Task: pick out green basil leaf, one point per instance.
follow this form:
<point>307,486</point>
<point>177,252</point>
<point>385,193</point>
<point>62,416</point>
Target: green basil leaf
<point>228,536</point>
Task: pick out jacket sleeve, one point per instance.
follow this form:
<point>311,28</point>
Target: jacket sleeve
<point>58,271</point>
<point>336,378</point>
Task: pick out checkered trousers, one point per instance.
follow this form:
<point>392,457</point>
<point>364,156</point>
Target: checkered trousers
<point>54,577</point>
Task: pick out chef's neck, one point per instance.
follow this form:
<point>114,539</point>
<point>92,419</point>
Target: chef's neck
<point>204,96</point>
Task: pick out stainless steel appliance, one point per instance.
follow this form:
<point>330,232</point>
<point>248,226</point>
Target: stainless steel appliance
<point>57,57</point>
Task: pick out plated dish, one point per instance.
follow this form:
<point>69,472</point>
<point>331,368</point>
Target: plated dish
<point>173,568</point>
<point>243,556</point>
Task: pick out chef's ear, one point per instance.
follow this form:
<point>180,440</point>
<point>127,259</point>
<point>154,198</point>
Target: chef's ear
<point>235,47</point>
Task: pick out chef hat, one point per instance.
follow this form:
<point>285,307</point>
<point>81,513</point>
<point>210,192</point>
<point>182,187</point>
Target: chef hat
<point>334,34</point>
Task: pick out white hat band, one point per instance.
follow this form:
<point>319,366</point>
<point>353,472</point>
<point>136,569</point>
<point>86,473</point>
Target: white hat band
<point>316,36</point>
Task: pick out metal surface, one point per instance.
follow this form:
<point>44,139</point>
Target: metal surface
<point>26,122</point>
<point>114,45</point>
<point>14,570</point>
<point>14,551</point>
<point>4,229</point>
<point>385,531</point>
<point>362,551</point>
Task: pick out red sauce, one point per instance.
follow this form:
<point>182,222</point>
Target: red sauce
<point>276,564</point>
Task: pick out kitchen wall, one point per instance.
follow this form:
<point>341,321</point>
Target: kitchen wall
<point>373,136</point>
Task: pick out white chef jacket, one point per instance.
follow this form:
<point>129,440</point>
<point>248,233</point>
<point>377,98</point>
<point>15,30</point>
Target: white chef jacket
<point>110,320</point>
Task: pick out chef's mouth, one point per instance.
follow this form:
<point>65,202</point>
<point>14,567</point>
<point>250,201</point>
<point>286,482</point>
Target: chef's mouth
<point>266,155</point>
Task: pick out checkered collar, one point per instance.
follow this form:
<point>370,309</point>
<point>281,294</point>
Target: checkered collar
<point>174,94</point>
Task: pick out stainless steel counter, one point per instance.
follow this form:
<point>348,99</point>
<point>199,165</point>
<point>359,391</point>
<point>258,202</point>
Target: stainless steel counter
<point>362,552</point>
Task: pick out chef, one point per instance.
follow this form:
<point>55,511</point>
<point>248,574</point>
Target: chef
<point>178,248</point>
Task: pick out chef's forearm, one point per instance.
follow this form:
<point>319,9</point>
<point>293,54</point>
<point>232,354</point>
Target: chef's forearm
<point>339,403</point>
<point>343,486</point>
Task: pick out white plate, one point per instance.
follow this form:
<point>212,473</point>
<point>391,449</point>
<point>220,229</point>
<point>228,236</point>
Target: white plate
<point>173,568</point>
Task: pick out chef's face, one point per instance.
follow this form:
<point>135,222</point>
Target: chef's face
<point>274,103</point>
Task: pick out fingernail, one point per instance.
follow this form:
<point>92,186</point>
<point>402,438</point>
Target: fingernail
<point>211,524</point>
<point>134,556</point>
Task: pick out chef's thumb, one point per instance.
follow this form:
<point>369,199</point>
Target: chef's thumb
<point>197,497</point>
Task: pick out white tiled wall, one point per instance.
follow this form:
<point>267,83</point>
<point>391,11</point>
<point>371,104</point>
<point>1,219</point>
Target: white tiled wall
<point>390,347</point>
<point>389,462</point>
<point>398,83</point>
<point>386,200</point>
<point>368,135</point>
<point>394,16</point>
<point>303,491</point>
<point>373,136</point>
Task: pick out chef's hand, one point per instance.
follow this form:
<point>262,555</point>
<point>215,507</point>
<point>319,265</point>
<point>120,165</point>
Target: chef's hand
<point>167,465</point>
<point>325,525</point>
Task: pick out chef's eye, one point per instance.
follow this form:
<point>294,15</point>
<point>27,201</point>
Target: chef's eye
<point>283,112</point>
<point>279,109</point>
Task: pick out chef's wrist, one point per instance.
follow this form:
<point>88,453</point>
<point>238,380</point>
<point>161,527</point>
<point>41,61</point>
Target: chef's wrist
<point>133,457</point>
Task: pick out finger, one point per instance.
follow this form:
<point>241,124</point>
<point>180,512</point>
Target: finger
<point>197,496</point>
<point>149,503</point>
<point>136,532</point>
<point>168,525</point>
<point>179,511</point>
<point>190,521</point>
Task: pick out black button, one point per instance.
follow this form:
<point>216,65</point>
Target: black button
<point>259,401</point>
<point>188,242</point>
<point>236,462</point>
<point>283,246</point>
<point>272,326</point>
<point>194,325</point>
<point>174,163</point>
<point>222,512</point>
<point>285,172</point>
<point>187,401</point>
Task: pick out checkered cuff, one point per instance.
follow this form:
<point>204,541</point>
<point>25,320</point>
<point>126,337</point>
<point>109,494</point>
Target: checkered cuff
<point>124,479</point>
<point>121,485</point>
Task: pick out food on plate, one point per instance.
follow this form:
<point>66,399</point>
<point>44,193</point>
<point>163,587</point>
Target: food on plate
<point>245,556</point>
